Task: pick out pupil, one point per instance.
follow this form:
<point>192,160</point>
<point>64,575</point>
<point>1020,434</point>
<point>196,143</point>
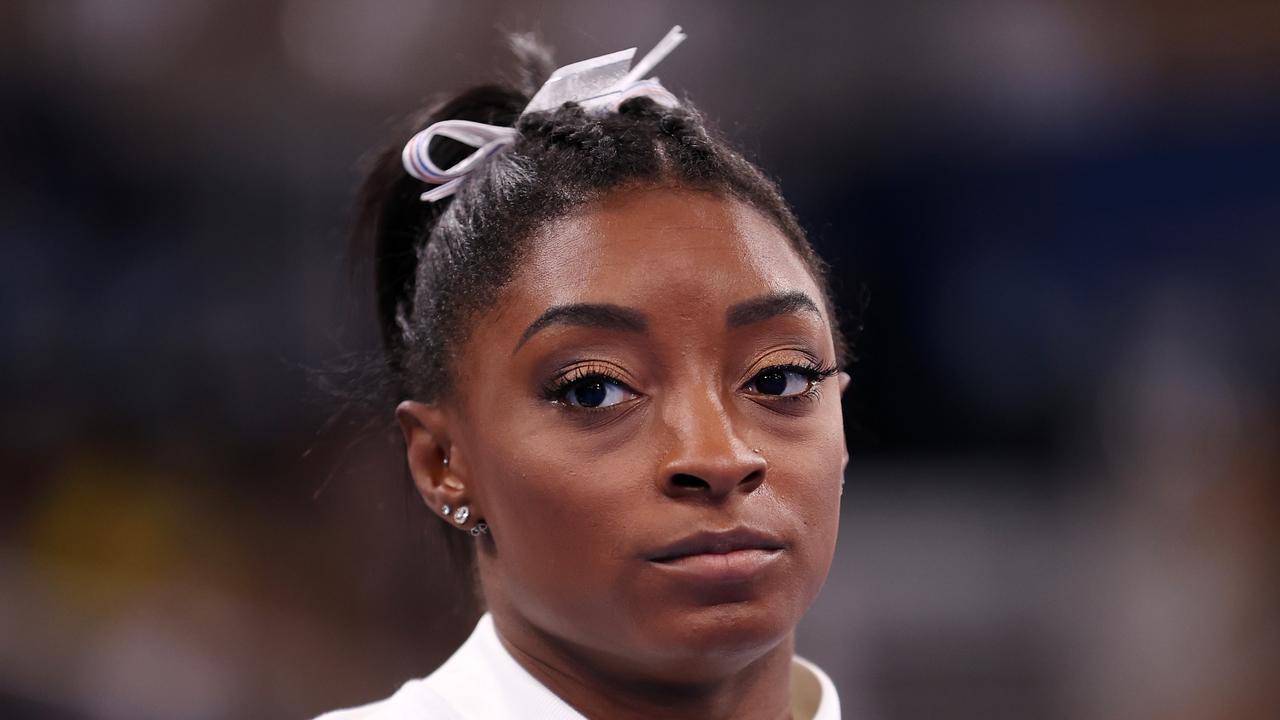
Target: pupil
<point>590,393</point>
<point>772,382</point>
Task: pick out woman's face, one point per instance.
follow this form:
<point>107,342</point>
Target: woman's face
<point>649,422</point>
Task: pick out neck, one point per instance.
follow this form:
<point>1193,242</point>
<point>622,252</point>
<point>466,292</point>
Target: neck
<point>595,687</point>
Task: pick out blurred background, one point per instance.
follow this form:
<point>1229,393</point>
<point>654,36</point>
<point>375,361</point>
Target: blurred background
<point>1064,494</point>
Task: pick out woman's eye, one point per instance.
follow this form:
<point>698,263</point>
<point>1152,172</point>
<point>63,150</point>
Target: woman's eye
<point>781,382</point>
<point>595,391</point>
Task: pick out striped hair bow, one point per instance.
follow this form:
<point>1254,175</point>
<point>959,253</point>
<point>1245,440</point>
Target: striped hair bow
<point>600,83</point>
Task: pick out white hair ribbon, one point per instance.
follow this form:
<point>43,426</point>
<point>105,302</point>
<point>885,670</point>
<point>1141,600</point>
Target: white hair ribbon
<point>417,160</point>
<point>603,82</point>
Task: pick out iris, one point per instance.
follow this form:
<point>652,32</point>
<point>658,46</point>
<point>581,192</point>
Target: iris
<point>589,393</point>
<point>771,382</point>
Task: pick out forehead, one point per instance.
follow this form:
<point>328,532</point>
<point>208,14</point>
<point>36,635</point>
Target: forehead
<point>658,249</point>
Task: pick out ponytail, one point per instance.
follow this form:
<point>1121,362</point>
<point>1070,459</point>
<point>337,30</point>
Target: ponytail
<point>393,225</point>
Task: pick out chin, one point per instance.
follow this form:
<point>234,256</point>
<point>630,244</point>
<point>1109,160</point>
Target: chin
<point>706,643</point>
<point>706,627</point>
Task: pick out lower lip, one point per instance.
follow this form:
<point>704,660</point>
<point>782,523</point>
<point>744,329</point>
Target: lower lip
<point>736,566</point>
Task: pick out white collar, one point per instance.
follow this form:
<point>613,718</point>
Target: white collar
<point>483,680</point>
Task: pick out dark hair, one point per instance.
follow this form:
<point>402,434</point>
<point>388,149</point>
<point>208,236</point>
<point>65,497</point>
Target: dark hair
<point>437,264</point>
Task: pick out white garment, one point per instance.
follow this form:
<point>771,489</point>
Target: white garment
<point>481,681</point>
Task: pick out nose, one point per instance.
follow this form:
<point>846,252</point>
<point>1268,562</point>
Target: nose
<point>709,458</point>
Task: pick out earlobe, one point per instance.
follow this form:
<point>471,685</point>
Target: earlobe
<point>437,466</point>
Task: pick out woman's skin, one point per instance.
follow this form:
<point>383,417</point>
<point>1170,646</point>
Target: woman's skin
<point>683,298</point>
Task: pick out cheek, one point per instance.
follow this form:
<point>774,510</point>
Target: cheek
<point>815,463</point>
<point>556,520</point>
<point>826,453</point>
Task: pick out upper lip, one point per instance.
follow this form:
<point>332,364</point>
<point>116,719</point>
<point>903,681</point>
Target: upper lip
<point>716,542</point>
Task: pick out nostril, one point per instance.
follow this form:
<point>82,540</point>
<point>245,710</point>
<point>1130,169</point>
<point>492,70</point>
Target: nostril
<point>691,482</point>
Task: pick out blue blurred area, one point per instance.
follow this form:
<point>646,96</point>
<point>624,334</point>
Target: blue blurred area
<point>1006,278</point>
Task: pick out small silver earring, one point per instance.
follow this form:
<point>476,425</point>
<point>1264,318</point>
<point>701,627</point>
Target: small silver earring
<point>461,514</point>
<point>481,528</point>
<point>446,510</point>
<point>446,461</point>
<point>755,450</point>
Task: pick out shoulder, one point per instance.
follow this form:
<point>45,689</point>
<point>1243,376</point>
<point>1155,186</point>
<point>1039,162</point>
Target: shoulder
<point>413,701</point>
<point>481,681</point>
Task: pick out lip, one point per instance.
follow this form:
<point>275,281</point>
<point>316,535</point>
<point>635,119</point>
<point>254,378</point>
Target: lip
<point>716,542</point>
<point>719,557</point>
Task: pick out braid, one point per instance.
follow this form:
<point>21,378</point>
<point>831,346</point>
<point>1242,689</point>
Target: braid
<point>439,263</point>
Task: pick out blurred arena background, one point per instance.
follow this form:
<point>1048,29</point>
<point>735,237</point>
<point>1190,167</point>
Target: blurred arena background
<point>1064,498</point>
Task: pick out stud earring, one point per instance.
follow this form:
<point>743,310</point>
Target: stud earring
<point>446,461</point>
<point>481,528</point>
<point>446,510</point>
<point>461,514</point>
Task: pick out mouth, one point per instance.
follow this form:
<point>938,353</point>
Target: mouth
<point>719,557</point>
<point>716,543</point>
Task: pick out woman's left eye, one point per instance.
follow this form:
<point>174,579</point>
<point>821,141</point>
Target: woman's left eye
<point>595,391</point>
<point>782,381</point>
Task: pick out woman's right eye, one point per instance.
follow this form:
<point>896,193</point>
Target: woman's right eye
<point>594,391</point>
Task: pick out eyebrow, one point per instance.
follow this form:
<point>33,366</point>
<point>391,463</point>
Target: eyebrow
<point>595,315</point>
<point>616,317</point>
<point>766,306</point>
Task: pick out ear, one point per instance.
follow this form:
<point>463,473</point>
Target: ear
<point>434,462</point>
<point>845,379</point>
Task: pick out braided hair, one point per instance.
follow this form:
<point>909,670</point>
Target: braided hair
<point>436,265</point>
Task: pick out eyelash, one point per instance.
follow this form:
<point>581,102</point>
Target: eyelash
<point>814,372</point>
<point>558,388</point>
